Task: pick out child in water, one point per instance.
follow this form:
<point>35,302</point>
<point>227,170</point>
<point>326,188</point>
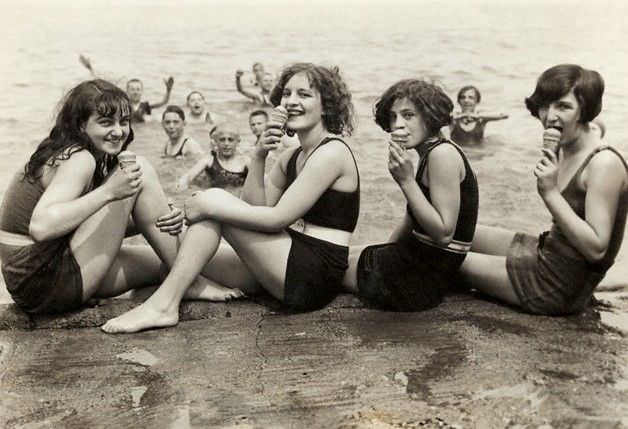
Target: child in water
<point>197,109</point>
<point>178,145</point>
<point>414,269</point>
<point>225,167</point>
<point>265,86</point>
<point>467,126</point>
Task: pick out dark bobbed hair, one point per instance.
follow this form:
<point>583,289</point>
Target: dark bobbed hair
<point>557,81</point>
<point>466,88</point>
<point>430,100</point>
<point>258,112</point>
<point>171,108</point>
<point>66,137</point>
<point>338,109</point>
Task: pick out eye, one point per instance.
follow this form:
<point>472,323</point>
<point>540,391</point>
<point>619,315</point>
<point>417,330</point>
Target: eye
<point>408,115</point>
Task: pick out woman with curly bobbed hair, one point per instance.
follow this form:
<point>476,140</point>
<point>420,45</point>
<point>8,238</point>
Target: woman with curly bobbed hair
<point>413,270</point>
<point>317,182</point>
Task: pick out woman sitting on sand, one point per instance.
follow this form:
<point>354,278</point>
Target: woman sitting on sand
<point>66,211</point>
<point>317,181</point>
<point>413,270</point>
<point>467,126</point>
<point>584,185</point>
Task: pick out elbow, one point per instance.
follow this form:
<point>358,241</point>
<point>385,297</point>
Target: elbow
<point>39,231</point>
<point>595,255</point>
<point>444,241</point>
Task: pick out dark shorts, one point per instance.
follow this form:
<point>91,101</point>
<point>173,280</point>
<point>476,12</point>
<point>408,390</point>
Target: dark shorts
<point>43,277</point>
<point>405,276</point>
<point>548,276</point>
<point>314,272</point>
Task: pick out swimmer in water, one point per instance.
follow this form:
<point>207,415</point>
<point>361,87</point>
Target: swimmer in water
<point>225,166</point>
<point>598,126</point>
<point>140,110</point>
<point>178,145</point>
<point>197,112</point>
<point>467,126</point>
<point>265,86</point>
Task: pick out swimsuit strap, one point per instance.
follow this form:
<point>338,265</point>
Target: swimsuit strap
<point>327,140</point>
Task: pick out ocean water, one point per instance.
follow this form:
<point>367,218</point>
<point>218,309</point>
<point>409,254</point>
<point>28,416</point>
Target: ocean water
<point>500,46</point>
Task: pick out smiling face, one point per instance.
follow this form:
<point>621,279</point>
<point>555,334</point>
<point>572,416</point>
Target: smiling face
<point>195,103</point>
<point>302,102</point>
<point>406,124</point>
<point>134,90</point>
<point>173,125</point>
<point>107,133</point>
<point>562,114</point>
<point>468,100</point>
<point>257,123</point>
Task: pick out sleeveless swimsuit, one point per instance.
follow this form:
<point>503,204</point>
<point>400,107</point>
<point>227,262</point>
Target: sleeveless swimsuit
<point>142,109</point>
<point>462,136</point>
<point>414,273</point>
<point>548,273</point>
<point>220,177</point>
<point>44,276</point>
<point>179,152</point>
<point>316,267</point>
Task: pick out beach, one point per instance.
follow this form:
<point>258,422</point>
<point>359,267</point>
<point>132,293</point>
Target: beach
<point>501,47</point>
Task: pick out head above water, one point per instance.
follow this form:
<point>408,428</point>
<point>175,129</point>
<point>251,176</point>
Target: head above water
<point>599,126</point>
<point>257,121</point>
<point>464,89</point>
<point>430,101</point>
<point>134,89</point>
<point>225,129</point>
<point>93,97</point>
<point>338,110</point>
<point>171,108</point>
<point>558,81</point>
<point>194,95</point>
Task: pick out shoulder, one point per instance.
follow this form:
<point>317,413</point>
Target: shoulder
<point>79,159</point>
<point>445,156</point>
<point>607,163</point>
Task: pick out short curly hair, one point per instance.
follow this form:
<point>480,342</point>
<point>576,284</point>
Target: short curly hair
<point>338,110</point>
<point>557,81</point>
<point>430,100</point>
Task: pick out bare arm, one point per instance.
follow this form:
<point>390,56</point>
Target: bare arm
<point>445,171</point>
<point>490,116</point>
<point>64,204</point>
<point>169,82</point>
<point>255,97</point>
<point>323,168</point>
<point>193,172</point>
<point>404,228</point>
<point>604,181</point>
<point>192,147</point>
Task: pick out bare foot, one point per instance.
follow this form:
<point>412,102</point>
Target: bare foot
<point>206,290</point>
<point>142,317</point>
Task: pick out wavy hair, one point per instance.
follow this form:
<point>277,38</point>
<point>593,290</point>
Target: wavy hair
<point>67,137</point>
<point>430,100</point>
<point>338,110</point>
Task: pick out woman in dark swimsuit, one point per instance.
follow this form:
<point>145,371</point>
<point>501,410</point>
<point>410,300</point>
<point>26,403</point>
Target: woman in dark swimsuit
<point>413,270</point>
<point>317,181</point>
<point>584,185</point>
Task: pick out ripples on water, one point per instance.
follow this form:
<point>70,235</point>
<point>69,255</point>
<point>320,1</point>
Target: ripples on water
<point>499,46</point>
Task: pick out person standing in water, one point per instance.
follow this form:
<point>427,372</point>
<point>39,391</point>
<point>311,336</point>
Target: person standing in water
<point>197,112</point>
<point>67,210</point>
<point>317,181</point>
<point>584,185</point>
<point>178,145</point>
<point>414,269</point>
<point>467,126</point>
<point>224,167</point>
<point>265,86</point>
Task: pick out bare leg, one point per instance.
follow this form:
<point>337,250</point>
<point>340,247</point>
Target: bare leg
<point>96,243</point>
<point>491,240</point>
<point>162,308</point>
<point>487,273</point>
<point>199,245</point>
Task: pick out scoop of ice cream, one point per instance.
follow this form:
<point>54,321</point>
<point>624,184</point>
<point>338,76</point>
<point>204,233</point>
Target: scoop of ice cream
<point>279,114</point>
<point>126,158</point>
<point>551,138</point>
<point>399,136</point>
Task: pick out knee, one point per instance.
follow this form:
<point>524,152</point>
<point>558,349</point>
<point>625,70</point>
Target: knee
<point>147,169</point>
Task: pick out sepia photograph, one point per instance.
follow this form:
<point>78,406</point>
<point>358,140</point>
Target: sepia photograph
<point>314,214</point>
